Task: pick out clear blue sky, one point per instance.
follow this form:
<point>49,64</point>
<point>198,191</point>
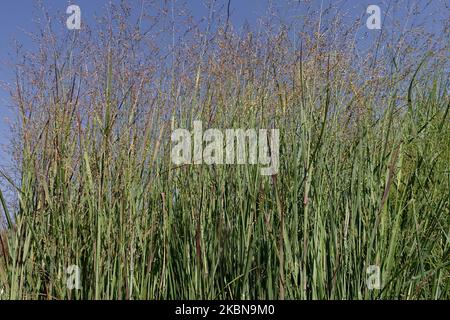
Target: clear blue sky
<point>17,16</point>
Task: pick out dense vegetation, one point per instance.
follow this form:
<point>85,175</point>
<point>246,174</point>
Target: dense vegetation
<point>363,178</point>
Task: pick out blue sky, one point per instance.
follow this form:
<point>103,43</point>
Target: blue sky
<point>18,16</point>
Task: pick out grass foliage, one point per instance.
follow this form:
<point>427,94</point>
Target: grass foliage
<point>363,178</point>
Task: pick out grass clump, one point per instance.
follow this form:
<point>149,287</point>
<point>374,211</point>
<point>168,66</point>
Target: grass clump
<point>363,178</point>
